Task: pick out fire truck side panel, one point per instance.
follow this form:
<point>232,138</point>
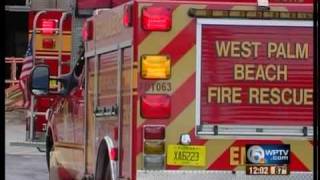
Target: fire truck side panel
<point>114,79</point>
<point>90,135</point>
<point>109,74</point>
<point>115,126</point>
<point>126,113</point>
<point>67,159</point>
<point>106,98</point>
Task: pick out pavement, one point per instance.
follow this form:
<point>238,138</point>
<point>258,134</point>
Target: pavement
<point>21,163</point>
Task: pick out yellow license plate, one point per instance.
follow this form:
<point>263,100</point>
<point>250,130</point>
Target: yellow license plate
<point>53,84</point>
<point>185,155</point>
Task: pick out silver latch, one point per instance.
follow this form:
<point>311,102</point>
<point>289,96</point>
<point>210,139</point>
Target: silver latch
<point>107,111</point>
<point>44,127</point>
<point>263,5</point>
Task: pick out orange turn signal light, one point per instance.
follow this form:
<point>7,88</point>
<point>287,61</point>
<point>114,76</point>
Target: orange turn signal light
<point>155,67</point>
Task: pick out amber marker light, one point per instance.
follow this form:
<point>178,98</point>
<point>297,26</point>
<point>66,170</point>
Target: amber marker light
<point>154,147</point>
<point>155,67</point>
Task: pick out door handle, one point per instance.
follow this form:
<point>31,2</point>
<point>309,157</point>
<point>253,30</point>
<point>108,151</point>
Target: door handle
<point>107,111</point>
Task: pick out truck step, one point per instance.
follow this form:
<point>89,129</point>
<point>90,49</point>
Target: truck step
<point>41,145</point>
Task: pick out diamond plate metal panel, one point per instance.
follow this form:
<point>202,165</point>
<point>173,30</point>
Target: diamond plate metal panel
<point>64,4</point>
<point>42,4</point>
<point>76,37</point>
<point>219,175</point>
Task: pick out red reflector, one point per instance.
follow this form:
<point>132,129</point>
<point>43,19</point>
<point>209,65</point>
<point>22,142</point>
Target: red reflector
<point>155,106</point>
<point>114,154</point>
<point>127,16</point>
<point>87,31</point>
<point>115,133</point>
<point>154,132</point>
<point>48,26</point>
<point>48,43</point>
<point>156,18</point>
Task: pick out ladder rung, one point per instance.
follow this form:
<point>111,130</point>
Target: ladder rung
<point>38,30</point>
<point>11,81</point>
<point>46,57</point>
<point>40,113</point>
<point>51,58</point>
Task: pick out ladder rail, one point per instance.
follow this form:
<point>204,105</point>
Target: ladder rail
<point>59,32</point>
<point>32,98</point>
<point>14,61</point>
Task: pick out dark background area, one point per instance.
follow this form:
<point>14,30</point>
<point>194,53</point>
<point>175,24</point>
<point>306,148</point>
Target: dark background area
<point>16,37</point>
<point>15,2</point>
<point>16,28</point>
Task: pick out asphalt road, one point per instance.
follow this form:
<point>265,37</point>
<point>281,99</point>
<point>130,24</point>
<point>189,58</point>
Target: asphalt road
<point>22,163</point>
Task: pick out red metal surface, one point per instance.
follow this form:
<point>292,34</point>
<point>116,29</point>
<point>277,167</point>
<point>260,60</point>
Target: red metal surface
<point>218,71</point>
<point>49,15</point>
<point>92,4</point>
<point>118,2</point>
<point>180,44</point>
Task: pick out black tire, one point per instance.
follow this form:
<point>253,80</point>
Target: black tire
<point>108,174</point>
<point>103,167</point>
<point>49,145</point>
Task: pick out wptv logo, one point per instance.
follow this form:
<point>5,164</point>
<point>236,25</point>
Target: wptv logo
<point>267,159</point>
<point>268,154</point>
<point>255,155</point>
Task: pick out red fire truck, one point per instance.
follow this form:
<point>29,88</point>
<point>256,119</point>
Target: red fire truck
<point>186,89</point>
<point>50,37</point>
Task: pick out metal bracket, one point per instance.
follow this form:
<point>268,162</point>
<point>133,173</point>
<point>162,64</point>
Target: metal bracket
<point>305,131</point>
<point>41,150</point>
